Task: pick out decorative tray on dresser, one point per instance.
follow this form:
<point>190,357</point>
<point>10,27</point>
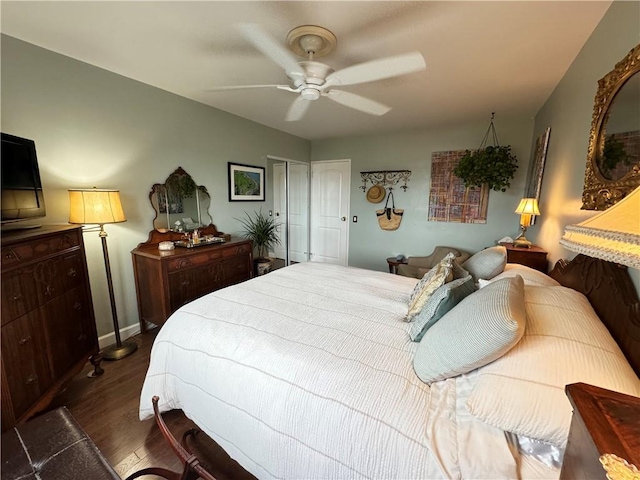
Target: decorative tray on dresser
<point>48,325</point>
<point>167,279</point>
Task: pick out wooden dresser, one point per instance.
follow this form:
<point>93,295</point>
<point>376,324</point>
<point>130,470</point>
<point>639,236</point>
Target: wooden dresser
<point>166,280</point>
<point>603,422</point>
<point>48,325</point>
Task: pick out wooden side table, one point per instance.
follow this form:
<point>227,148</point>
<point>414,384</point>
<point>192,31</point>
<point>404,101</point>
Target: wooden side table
<point>534,257</point>
<point>393,264</point>
<point>604,422</point>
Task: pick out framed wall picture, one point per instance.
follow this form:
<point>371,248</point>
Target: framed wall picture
<point>536,166</point>
<point>246,183</point>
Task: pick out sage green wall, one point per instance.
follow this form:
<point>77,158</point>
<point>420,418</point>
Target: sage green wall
<point>568,112</point>
<point>95,128</point>
<point>369,246</point>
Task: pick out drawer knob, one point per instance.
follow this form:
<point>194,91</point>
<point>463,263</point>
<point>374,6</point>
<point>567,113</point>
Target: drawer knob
<point>77,306</point>
<point>186,283</point>
<point>15,297</point>
<point>72,272</point>
<point>25,340</point>
<point>33,378</point>
<point>9,255</point>
<point>82,337</point>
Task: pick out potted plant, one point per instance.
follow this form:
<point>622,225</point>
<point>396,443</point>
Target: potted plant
<point>263,232</point>
<point>493,165</point>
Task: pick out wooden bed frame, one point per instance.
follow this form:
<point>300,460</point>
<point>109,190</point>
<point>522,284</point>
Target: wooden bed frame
<point>607,286</point>
<point>613,296</point>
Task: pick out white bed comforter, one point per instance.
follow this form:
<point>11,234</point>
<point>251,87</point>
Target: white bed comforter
<point>307,372</point>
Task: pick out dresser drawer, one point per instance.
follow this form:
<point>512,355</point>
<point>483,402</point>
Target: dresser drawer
<point>68,334</point>
<point>28,287</point>
<point>27,372</point>
<point>196,259</point>
<point>190,284</point>
<point>20,253</point>
<point>237,269</point>
<point>233,250</point>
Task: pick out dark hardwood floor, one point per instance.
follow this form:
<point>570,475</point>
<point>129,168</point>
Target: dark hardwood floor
<point>107,409</point>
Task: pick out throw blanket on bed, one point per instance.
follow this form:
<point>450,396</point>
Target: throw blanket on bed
<point>307,373</point>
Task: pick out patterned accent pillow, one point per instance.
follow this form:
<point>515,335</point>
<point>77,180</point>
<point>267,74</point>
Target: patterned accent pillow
<point>432,280</point>
<point>443,300</point>
<point>487,263</point>
<point>480,329</point>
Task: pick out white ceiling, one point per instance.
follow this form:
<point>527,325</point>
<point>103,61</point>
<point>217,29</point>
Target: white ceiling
<point>504,56</point>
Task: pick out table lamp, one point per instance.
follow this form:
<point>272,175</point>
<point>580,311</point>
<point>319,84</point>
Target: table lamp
<point>96,206</point>
<point>527,208</point>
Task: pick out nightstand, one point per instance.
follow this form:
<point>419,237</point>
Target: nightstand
<point>393,264</point>
<point>603,422</point>
<point>534,257</point>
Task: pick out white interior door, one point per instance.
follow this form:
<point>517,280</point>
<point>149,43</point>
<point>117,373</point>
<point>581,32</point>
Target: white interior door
<point>280,208</point>
<point>330,190</point>
<point>298,212</point>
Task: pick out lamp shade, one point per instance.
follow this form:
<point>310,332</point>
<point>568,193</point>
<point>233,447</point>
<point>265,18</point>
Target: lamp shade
<point>528,206</point>
<point>612,235</point>
<point>95,206</point>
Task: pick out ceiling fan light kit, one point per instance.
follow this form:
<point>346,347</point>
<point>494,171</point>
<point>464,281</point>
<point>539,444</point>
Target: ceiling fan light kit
<point>312,80</point>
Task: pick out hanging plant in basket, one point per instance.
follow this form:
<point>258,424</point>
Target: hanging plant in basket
<point>494,165</point>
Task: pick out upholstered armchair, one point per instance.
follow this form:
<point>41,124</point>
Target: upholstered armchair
<point>417,266</point>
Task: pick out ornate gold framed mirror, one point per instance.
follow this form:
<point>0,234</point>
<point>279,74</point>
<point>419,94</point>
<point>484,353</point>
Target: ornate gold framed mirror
<point>613,157</point>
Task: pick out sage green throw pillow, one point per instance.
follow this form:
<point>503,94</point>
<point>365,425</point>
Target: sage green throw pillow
<point>443,300</point>
<point>487,263</point>
<point>481,328</point>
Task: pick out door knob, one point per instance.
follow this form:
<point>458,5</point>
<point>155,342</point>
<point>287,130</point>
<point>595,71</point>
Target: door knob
<point>344,219</point>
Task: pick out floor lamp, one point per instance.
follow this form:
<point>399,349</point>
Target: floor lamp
<point>96,206</point>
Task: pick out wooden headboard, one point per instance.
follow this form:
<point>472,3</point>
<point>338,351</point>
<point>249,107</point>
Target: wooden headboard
<point>613,296</point>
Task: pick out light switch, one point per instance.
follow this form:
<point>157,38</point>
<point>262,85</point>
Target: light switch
<point>355,219</point>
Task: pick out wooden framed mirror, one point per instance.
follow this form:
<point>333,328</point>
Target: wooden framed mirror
<point>181,205</point>
<point>613,157</point>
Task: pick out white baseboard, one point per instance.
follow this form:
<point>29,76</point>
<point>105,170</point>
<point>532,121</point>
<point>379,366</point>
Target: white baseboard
<point>110,338</point>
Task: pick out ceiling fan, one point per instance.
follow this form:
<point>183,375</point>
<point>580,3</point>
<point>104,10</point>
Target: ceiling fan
<point>312,80</point>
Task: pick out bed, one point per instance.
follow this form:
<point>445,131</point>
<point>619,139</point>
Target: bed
<point>307,372</point>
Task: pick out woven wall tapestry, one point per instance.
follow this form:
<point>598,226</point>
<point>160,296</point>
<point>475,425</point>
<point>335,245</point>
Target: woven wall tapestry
<point>449,200</point>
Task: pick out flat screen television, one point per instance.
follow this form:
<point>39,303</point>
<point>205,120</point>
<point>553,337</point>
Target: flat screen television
<point>22,197</point>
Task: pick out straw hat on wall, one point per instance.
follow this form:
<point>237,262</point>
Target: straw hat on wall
<point>376,193</point>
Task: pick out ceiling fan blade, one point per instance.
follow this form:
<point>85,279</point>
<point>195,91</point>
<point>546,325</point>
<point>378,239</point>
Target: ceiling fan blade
<point>378,69</point>
<point>357,102</point>
<point>272,49</point>
<point>297,109</point>
<point>243,87</point>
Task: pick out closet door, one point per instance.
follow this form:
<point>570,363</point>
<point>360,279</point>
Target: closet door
<point>280,208</point>
<point>298,212</point>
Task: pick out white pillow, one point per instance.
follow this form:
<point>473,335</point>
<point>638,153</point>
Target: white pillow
<point>481,328</point>
<point>564,342</point>
<point>487,263</point>
<point>529,275</point>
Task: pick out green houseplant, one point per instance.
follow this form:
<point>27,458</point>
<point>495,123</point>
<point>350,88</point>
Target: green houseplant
<point>493,165</point>
<point>262,230</point>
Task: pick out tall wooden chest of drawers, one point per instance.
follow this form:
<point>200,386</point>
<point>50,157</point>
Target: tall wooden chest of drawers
<point>166,280</point>
<point>48,325</point>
